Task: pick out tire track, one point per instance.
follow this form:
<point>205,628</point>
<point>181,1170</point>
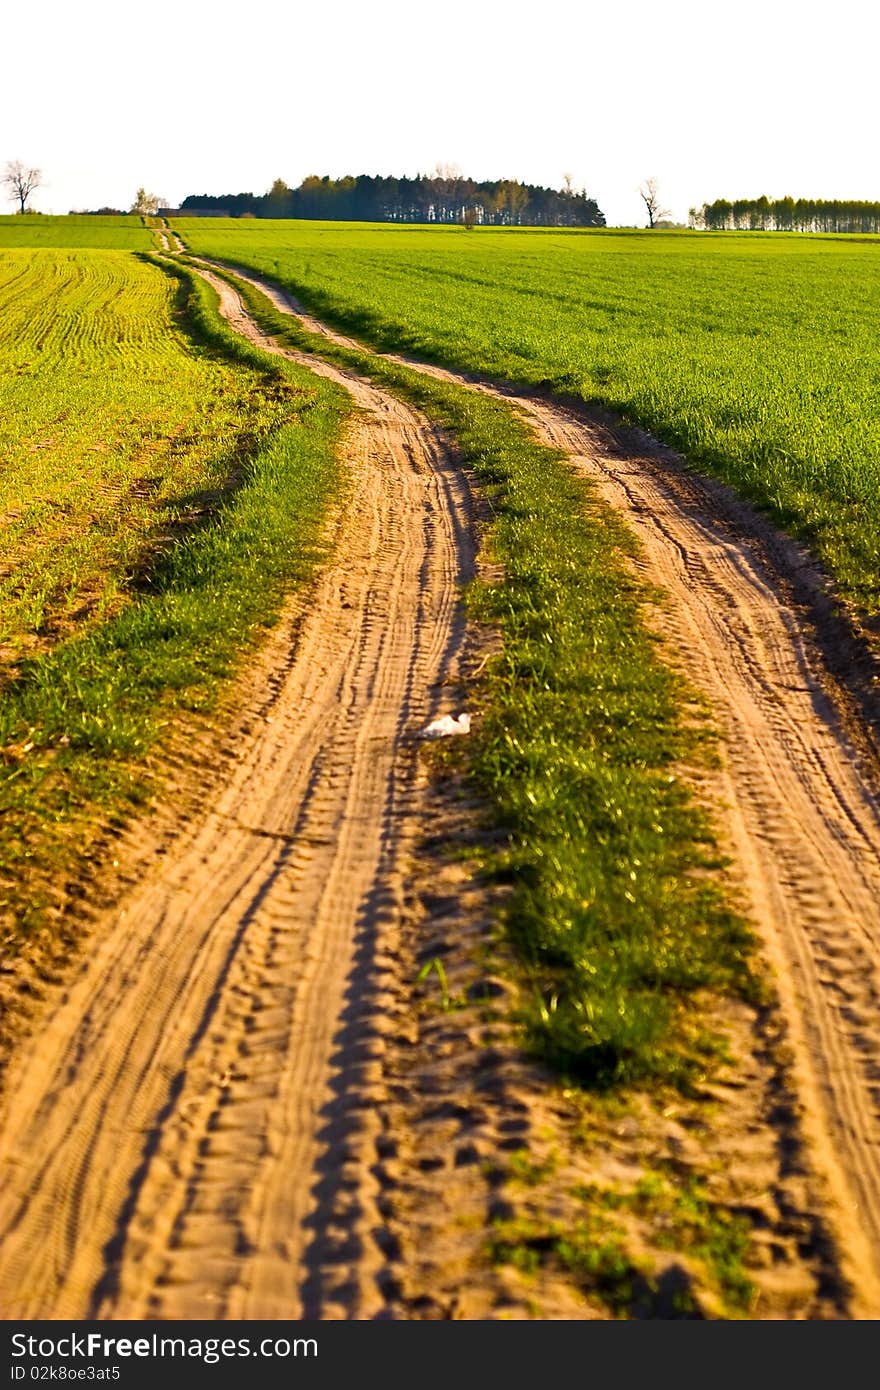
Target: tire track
<point>801,819</point>
<point>796,800</point>
<point>165,1144</point>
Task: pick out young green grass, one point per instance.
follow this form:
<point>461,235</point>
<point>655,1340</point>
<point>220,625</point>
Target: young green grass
<point>683,1217</point>
<point>615,914</point>
<point>593,1252</point>
<point>754,354</point>
<point>125,233</point>
<point>105,435</point>
<point>240,449</point>
<point>673,1214</point>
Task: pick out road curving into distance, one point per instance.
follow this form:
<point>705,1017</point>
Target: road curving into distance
<point>164,1136</point>
<point>165,1132</point>
<point>797,800</point>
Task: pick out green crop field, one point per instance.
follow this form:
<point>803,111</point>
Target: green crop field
<point>102,411</point>
<point>754,354</point>
<point>161,490</point>
<point>119,233</point>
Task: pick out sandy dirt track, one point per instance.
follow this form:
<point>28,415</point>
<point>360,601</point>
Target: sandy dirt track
<point>798,807</point>
<point>195,1130</point>
<point>798,811</point>
<point>170,1130</point>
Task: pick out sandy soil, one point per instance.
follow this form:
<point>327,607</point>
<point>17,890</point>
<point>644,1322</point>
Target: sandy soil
<point>799,810</point>
<point>241,1104</point>
<point>748,623</point>
<point>167,1126</point>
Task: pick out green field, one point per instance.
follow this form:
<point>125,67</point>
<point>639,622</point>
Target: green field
<point>754,354</point>
<point>102,427</point>
<point>107,233</point>
<point>161,491</point>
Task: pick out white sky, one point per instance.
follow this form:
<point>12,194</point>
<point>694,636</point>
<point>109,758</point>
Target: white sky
<point>206,96</point>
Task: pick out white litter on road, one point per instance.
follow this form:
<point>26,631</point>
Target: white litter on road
<point>447,725</point>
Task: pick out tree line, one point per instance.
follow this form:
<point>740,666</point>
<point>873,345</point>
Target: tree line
<point>445,197</point>
<point>787,215</point>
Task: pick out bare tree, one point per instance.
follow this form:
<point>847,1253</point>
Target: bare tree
<point>21,181</point>
<point>649,193</point>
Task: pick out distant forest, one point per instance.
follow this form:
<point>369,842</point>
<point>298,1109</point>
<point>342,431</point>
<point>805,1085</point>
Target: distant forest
<point>446,197</point>
<point>787,215</point>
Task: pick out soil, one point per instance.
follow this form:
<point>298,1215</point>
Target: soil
<point>750,624</point>
<point>166,1123</point>
<point>243,1102</point>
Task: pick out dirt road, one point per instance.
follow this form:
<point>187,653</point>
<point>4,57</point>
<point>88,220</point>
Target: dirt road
<point>797,799</point>
<point>170,1130</point>
<point>798,811</point>
<point>195,1131</point>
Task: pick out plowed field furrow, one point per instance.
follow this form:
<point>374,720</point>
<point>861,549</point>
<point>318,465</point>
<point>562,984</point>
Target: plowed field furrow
<point>167,1135</point>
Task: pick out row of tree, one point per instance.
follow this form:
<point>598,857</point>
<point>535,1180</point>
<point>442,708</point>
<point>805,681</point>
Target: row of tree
<point>787,215</point>
<point>446,196</point>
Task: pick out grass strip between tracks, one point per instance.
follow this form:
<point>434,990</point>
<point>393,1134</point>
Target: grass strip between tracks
<point>617,911</point>
<point>78,724</point>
